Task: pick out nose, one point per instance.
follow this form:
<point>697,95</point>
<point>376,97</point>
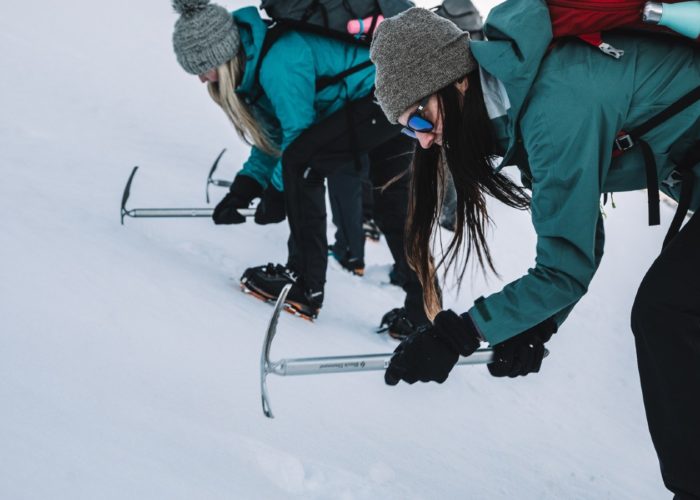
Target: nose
<point>425,139</point>
<point>202,78</point>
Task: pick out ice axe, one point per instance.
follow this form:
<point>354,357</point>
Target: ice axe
<point>167,212</point>
<point>216,182</point>
<point>330,364</point>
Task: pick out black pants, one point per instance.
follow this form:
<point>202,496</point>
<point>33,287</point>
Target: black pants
<point>320,151</point>
<point>390,162</point>
<point>346,195</point>
<point>666,326</point>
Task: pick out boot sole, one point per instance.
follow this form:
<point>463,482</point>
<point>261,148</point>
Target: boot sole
<point>301,310</point>
<point>396,336</point>
<point>294,308</point>
<point>360,271</point>
<point>250,290</point>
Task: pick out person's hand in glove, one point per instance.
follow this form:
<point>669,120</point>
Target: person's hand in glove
<point>243,190</point>
<point>271,207</point>
<point>429,354</point>
<point>523,353</point>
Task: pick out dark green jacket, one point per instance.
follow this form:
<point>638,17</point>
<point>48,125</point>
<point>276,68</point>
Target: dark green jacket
<point>567,105</point>
<point>289,102</point>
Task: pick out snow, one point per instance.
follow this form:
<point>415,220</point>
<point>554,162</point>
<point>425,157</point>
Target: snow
<point>129,360</point>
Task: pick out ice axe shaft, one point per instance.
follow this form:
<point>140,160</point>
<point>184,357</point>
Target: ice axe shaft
<point>329,364</point>
<point>167,212</point>
<point>357,363</point>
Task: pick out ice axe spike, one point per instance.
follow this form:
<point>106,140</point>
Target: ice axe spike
<point>216,182</point>
<point>329,364</point>
<point>167,212</point>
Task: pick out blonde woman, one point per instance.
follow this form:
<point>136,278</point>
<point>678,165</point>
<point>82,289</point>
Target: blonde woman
<point>271,94</point>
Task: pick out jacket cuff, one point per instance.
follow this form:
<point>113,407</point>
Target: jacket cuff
<point>472,326</point>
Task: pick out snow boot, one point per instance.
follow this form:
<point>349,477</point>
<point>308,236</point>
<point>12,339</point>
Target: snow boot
<point>371,230</point>
<point>304,302</point>
<point>396,277</point>
<point>354,265</point>
<point>266,282</point>
<point>397,324</point>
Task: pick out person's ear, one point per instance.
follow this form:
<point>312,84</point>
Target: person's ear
<point>462,85</point>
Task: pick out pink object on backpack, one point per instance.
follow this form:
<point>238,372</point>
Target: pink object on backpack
<point>362,26</point>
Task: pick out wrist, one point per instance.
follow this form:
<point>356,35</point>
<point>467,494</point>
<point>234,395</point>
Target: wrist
<point>472,326</point>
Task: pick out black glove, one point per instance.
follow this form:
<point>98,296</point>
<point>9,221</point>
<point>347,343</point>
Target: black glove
<point>240,194</point>
<point>271,207</point>
<point>429,354</point>
<point>523,353</point>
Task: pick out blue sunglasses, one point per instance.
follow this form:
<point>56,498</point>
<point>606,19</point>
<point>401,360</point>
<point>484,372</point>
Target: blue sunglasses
<point>416,122</point>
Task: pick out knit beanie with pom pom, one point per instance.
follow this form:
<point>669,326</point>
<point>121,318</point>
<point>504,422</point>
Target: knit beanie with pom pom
<point>205,35</point>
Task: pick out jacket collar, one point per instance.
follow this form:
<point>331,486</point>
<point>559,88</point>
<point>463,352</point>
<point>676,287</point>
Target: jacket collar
<point>252,30</point>
<point>518,34</point>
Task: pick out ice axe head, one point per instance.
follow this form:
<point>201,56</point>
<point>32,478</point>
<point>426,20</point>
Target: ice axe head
<point>127,192</point>
<point>265,363</point>
<point>211,173</point>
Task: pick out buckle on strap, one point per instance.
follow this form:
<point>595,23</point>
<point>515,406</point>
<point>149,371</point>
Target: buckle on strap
<point>623,142</point>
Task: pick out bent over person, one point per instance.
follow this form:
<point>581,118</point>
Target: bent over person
<point>300,134</point>
<point>555,111</point>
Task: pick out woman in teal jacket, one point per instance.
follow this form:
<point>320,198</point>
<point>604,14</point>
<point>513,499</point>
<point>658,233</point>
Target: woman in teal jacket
<point>271,94</point>
<point>555,112</point>
<point>270,103</point>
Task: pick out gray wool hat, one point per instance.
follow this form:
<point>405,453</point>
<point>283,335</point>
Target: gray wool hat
<point>416,53</point>
<point>205,35</point>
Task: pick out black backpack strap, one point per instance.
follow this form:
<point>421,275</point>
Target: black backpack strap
<point>652,183</point>
<point>323,82</point>
<point>685,168</point>
<point>627,140</point>
<point>273,34</point>
<point>281,26</point>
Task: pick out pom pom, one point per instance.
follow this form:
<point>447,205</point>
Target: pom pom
<point>189,7</point>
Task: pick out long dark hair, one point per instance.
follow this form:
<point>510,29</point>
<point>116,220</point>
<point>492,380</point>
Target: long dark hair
<point>469,147</point>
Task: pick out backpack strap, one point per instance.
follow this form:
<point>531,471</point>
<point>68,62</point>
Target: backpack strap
<point>685,169</point>
<point>281,26</point>
<point>627,140</point>
<point>323,82</point>
<point>273,34</point>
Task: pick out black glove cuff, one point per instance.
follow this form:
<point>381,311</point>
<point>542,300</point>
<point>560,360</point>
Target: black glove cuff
<point>272,193</point>
<point>245,189</point>
<point>458,332</point>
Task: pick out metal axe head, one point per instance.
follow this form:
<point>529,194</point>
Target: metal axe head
<point>265,363</point>
<point>127,192</point>
<point>211,172</point>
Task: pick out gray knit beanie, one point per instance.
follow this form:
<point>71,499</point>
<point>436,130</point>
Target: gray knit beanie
<point>205,35</point>
<point>416,53</point>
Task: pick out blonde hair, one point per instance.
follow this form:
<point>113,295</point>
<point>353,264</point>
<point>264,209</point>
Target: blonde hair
<point>223,93</point>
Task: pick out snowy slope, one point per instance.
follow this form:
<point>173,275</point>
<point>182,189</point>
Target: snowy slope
<point>129,359</point>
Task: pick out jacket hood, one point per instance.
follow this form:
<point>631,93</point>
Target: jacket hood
<point>518,34</point>
<point>252,30</point>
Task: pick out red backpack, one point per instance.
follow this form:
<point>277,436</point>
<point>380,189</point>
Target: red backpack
<point>586,19</point>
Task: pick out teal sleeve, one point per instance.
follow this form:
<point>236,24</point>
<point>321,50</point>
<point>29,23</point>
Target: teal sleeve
<point>260,166</point>
<point>565,160</point>
<point>288,78</point>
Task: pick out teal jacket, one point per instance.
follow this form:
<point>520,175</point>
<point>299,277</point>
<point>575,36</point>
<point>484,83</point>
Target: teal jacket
<point>287,83</point>
<point>567,105</point>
